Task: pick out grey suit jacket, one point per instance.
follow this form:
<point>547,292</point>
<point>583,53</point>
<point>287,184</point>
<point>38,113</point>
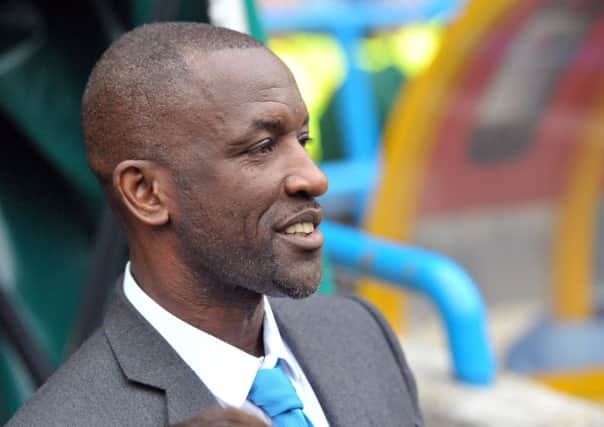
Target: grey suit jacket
<point>126,374</point>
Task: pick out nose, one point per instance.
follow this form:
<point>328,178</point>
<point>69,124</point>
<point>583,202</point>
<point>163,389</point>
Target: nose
<point>305,178</point>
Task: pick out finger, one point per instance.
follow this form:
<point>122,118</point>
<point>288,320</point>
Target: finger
<point>218,416</point>
<point>243,418</point>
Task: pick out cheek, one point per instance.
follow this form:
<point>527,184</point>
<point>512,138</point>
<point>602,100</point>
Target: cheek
<point>239,203</point>
<point>235,216</point>
<point>253,203</point>
<point>256,224</point>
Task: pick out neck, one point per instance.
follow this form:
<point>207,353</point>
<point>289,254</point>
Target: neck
<point>233,315</point>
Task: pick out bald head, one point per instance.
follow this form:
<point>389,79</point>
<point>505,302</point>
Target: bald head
<point>139,82</point>
<point>198,135</point>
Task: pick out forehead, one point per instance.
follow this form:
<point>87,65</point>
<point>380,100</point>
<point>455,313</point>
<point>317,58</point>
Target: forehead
<point>237,85</point>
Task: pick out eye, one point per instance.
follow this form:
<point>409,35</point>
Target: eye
<point>263,147</point>
<point>304,139</point>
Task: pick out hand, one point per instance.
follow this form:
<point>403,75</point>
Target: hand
<point>222,417</point>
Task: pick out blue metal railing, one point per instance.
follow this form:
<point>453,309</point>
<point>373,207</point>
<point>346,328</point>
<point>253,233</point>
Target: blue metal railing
<point>442,281</point>
<point>348,22</point>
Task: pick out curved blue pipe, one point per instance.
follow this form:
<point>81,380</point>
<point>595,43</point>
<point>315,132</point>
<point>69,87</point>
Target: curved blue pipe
<point>442,281</point>
<point>362,16</point>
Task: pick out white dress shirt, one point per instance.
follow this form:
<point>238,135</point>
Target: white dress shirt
<point>227,371</point>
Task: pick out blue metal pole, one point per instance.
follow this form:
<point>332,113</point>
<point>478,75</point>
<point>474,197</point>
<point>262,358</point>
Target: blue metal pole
<point>442,281</point>
<point>356,109</point>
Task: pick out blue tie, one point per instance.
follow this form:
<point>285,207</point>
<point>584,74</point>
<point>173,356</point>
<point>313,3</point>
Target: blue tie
<point>274,394</point>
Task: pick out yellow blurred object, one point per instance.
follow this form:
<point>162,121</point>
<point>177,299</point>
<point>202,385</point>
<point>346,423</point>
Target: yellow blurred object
<point>411,49</point>
<point>410,134</point>
<point>319,67</point>
<point>587,383</point>
<point>416,47</point>
<point>573,256</point>
<point>389,300</point>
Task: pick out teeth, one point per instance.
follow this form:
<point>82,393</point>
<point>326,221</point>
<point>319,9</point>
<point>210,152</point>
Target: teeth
<point>300,227</point>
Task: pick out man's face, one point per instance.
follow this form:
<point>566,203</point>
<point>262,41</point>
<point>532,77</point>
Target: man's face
<point>245,212</point>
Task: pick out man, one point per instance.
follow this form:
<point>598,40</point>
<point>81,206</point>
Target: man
<point>197,135</point>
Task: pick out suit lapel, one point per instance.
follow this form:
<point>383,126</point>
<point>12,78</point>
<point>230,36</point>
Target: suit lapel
<point>319,354</point>
<point>146,358</point>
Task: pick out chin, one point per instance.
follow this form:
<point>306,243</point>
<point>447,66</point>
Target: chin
<point>296,286</point>
<point>300,292</point>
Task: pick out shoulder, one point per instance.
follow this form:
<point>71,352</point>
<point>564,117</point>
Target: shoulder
<point>89,389</point>
<point>353,334</point>
<point>349,315</point>
<point>348,320</point>
<point>66,396</point>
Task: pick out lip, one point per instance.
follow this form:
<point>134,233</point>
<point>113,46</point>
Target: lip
<point>309,242</point>
<point>314,215</point>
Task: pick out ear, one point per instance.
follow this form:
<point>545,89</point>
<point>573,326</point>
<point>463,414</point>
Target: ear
<point>140,185</point>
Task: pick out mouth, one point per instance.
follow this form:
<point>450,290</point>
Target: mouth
<point>302,230</point>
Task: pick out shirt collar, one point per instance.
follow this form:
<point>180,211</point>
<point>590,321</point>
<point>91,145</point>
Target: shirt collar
<point>227,371</point>
<point>274,346</point>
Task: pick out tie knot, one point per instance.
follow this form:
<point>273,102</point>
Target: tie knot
<point>273,392</point>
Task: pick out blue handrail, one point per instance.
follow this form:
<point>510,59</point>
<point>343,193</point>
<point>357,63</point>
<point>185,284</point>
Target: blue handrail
<point>348,22</point>
<point>330,16</point>
<point>442,281</point>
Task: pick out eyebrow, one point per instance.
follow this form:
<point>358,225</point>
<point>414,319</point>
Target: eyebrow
<point>275,125</point>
